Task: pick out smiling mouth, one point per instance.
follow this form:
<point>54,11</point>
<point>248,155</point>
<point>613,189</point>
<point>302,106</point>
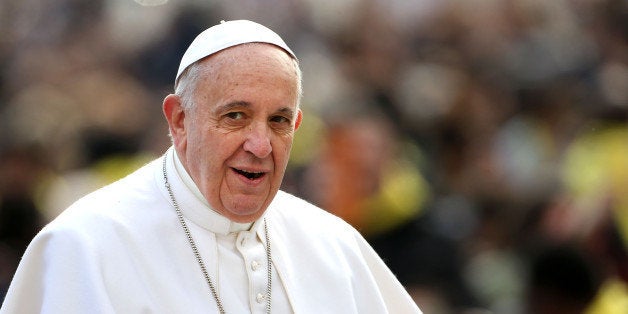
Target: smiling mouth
<point>249,175</point>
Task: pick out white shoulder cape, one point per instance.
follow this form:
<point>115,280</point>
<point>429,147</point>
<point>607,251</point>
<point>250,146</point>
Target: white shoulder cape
<point>121,250</point>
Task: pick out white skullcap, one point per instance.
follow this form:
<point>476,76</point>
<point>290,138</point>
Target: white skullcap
<point>225,35</point>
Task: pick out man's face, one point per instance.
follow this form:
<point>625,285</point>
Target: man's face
<point>236,141</point>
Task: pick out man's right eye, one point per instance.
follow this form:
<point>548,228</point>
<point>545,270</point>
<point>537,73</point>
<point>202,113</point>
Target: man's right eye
<point>235,115</point>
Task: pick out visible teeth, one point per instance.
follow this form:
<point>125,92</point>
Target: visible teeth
<point>249,175</point>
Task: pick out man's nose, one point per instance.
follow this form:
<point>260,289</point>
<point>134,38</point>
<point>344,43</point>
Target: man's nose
<point>258,140</point>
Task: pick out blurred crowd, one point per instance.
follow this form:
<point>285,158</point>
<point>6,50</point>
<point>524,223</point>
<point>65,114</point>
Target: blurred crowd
<point>481,146</point>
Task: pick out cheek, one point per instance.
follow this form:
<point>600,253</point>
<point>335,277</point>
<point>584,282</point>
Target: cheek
<point>282,153</point>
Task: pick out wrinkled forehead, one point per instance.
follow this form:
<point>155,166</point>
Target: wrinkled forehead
<point>229,34</point>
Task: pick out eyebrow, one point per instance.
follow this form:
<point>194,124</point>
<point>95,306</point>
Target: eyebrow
<point>246,104</point>
<point>232,105</point>
<point>286,110</point>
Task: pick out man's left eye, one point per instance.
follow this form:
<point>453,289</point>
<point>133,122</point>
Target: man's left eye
<point>280,119</point>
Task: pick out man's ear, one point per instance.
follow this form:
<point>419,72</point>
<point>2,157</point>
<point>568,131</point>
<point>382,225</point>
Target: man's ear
<point>298,120</point>
<point>173,110</point>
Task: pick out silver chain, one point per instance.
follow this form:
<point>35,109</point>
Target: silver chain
<point>199,259</point>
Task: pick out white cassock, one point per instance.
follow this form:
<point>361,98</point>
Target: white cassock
<point>121,249</point>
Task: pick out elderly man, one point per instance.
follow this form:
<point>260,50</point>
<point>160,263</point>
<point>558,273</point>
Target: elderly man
<point>205,228</point>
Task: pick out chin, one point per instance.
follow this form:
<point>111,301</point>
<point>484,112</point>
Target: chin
<point>244,217</point>
<point>247,213</point>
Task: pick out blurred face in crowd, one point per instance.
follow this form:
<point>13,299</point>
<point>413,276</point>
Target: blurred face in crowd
<point>235,136</point>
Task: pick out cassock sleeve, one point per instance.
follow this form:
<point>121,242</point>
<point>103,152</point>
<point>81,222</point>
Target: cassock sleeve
<point>395,296</point>
<point>59,273</point>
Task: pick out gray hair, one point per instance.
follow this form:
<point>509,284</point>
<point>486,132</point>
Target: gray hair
<point>186,84</point>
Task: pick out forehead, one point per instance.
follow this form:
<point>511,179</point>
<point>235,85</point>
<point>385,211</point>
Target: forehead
<point>246,73</point>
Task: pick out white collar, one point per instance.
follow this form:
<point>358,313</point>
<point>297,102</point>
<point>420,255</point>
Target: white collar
<point>193,204</point>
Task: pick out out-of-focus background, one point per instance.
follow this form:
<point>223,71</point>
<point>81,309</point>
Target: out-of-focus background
<point>481,146</point>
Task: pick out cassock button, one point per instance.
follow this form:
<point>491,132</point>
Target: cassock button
<point>260,298</point>
<point>254,265</point>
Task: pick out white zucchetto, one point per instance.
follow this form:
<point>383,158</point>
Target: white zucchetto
<point>225,35</point>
